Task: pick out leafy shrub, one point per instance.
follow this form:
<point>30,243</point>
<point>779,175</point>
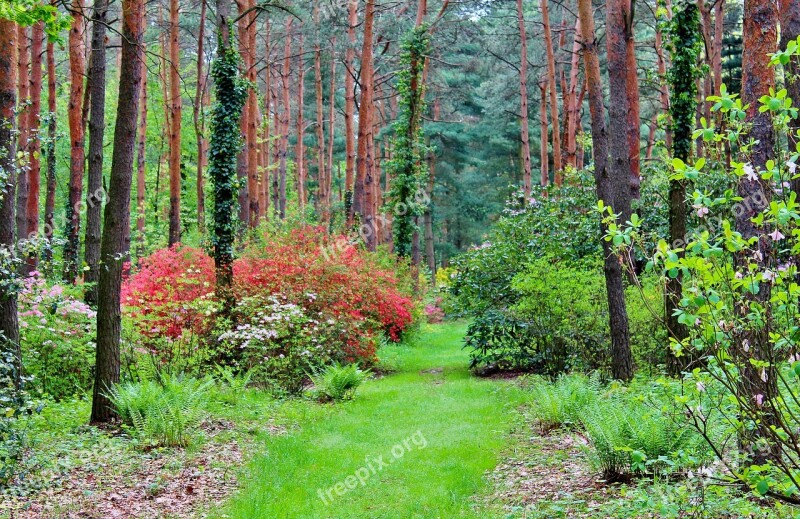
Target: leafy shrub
<point>57,333</point>
<point>16,405</point>
<point>560,322</point>
<point>563,403</point>
<point>166,412</point>
<point>338,382</point>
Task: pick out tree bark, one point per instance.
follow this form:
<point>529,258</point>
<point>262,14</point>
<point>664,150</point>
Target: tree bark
<point>23,128</point>
<point>117,212</point>
<point>97,125</point>
<point>363,194</point>
<point>322,181</point>
<point>632,93</point>
<point>544,160</point>
<point>50,194</point>
<point>551,77</point>
<point>9,326</point>
<point>285,74</point>
<point>607,190</point>
<point>331,130</point>
<point>760,35</point>
<point>523,94</point>
<point>300,148</point>
<point>350,110</point>
<point>141,162</point>
<point>175,108</point>
<point>77,65</point>
<point>34,123</point>
<point>199,120</point>
<point>253,120</point>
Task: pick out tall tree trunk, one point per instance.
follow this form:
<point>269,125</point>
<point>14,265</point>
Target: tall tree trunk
<point>97,125</point>
<point>175,109</point>
<point>9,326</point>
<point>141,162</point>
<point>50,194</point>
<point>34,123</point>
<point>430,254</point>
<point>608,189</point>
<point>322,181</point>
<point>117,212</point>
<point>662,74</point>
<point>267,127</point>
<point>551,77</point>
<point>300,149</point>
<point>350,110</point>
<point>24,129</point>
<point>760,34</point>
<point>363,195</point>
<point>523,94</point>
<point>242,165</point>
<point>716,57</point>
<point>544,161</point>
<point>632,93</point>
<point>253,120</point>
<point>331,131</point>
<point>77,65</point>
<point>571,108</point>
<point>199,120</point>
<point>285,74</point>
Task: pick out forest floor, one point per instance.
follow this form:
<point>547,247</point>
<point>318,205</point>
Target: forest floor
<point>427,440</point>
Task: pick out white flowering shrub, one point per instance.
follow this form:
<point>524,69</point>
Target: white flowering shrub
<point>283,342</point>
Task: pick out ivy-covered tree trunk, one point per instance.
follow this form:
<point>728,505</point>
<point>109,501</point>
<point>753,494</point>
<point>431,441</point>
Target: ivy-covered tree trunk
<point>685,44</point>
<point>790,30</point>
<point>608,192</point>
<point>9,326</point>
<point>224,146</point>
<point>117,212</point>
<point>97,126</point>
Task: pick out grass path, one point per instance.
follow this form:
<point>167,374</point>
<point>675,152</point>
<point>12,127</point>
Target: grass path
<point>420,439</point>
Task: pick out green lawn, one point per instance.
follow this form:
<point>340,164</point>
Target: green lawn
<point>420,440</point>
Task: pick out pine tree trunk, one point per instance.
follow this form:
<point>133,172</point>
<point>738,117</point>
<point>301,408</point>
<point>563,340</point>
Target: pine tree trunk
<point>760,34</point>
<point>350,110</point>
<point>544,161</point>
<point>175,107</point>
<point>34,122</point>
<point>9,326</point>
<point>571,100</point>
<point>140,169</point>
<point>551,78</point>
<point>331,130</point>
<point>199,120</point>
<point>252,120</point>
<point>300,149</point>
<point>77,65</point>
<point>662,74</point>
<point>23,127</point>
<point>363,193</point>
<point>621,361</point>
<point>97,124</point>
<point>285,74</point>
<point>322,181</point>
<point>50,194</point>
<point>117,212</point>
<point>523,94</point>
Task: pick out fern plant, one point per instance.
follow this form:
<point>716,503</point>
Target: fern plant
<point>233,382</point>
<point>166,412</point>
<point>564,403</point>
<point>338,382</point>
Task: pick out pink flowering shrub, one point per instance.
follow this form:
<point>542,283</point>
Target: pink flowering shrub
<point>57,334</point>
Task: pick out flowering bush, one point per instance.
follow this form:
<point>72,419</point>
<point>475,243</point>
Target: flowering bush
<point>161,293</point>
<point>57,332</point>
<point>295,290</point>
<point>283,342</point>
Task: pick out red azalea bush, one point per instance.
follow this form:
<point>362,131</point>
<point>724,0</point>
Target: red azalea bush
<point>325,275</point>
<point>161,292</point>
